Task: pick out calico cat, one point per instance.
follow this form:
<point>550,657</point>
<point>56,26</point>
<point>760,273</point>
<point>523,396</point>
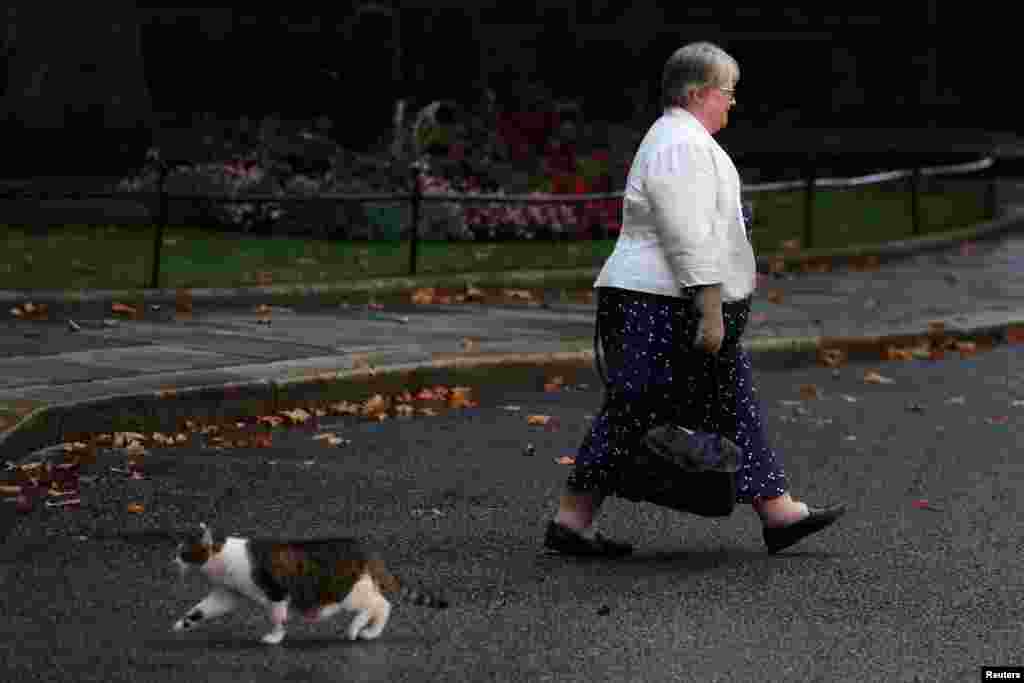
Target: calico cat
<point>318,578</point>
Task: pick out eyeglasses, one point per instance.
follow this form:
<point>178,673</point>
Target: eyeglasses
<point>731,92</point>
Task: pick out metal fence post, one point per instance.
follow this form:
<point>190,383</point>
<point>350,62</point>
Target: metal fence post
<point>915,200</point>
<point>414,231</point>
<point>992,196</point>
<point>812,172</point>
<point>161,222</point>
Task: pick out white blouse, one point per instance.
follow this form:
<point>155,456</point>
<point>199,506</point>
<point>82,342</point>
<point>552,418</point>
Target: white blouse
<point>682,222</point>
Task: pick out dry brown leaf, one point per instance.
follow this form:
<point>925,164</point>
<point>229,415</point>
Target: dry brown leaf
<point>775,296</point>
<point>344,408</point>
<point>135,508</point>
<point>523,294</point>
<point>966,349</point>
<point>474,294</point>
<point>262,309</point>
<point>554,384</point>
<point>459,398</point>
<point>427,412</point>
<point>17,312</point>
<point>297,416</point>
<point>183,301</point>
<point>424,295</point>
<point>538,419</point>
<point>375,407</point>
<point>872,377</point>
<point>790,245</point>
<point>809,391</point>
<point>264,278</point>
<point>404,410</point>
<point>832,358</point>
<point>469,345</point>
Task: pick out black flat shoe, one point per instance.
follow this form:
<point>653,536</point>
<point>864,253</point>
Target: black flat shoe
<point>562,539</point>
<point>778,538</point>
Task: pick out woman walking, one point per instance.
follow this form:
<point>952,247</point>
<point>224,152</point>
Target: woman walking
<point>673,302</point>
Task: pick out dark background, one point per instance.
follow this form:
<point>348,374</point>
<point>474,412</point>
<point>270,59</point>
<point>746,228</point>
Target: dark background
<point>85,87</point>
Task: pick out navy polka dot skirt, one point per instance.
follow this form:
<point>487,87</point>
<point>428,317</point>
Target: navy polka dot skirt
<point>656,375</point>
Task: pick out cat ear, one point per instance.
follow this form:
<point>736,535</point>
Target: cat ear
<point>207,536</point>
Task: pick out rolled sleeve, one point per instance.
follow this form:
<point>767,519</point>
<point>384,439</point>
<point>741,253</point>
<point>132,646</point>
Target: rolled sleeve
<point>681,186</point>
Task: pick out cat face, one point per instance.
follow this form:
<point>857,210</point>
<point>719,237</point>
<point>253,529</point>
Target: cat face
<point>195,549</point>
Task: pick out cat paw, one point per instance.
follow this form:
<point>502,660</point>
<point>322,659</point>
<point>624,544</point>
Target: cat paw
<point>273,638</point>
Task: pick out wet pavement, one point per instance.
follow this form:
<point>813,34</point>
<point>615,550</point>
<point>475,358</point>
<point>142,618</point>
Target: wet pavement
<point>918,582</point>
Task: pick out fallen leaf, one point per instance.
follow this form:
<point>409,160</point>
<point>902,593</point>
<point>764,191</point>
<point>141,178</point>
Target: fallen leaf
<point>790,245</point>
<point>936,327</point>
<point>262,309</point>
<point>183,301</point>
<point>428,412</point>
<point>470,345</point>
<point>73,502</point>
<point>375,407</point>
<point>297,416</point>
<point>775,296</point>
<point>135,508</point>
<point>404,410</point>
<point>893,353</point>
<point>538,419</point>
<point>523,294</point>
<point>872,377</point>
<point>459,398</point>
<point>8,490</point>
<point>424,295</point>
<point>264,277</point>
<point>344,408</point>
<point>123,309</point>
<point>566,460</point>
<point>966,349</point>
<point>474,294</point>
<point>809,391</point>
<point>832,358</point>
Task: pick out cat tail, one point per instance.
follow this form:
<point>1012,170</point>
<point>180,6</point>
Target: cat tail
<point>421,597</point>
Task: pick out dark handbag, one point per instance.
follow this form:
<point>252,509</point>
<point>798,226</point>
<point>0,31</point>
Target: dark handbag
<point>679,468</point>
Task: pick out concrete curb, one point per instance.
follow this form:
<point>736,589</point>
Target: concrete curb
<point>888,251</point>
<point>163,410</point>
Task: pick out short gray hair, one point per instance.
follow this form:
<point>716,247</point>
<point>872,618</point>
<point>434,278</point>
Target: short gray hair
<point>694,66</point>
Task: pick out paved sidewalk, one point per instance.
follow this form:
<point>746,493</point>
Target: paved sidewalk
<point>55,379</point>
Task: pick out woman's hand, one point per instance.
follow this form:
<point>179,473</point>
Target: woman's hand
<point>711,329</point>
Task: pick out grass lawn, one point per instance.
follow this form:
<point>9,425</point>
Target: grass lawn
<point>110,257</point>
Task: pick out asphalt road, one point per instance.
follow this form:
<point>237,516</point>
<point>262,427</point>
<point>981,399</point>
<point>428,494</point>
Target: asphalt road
<point>894,592</point>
